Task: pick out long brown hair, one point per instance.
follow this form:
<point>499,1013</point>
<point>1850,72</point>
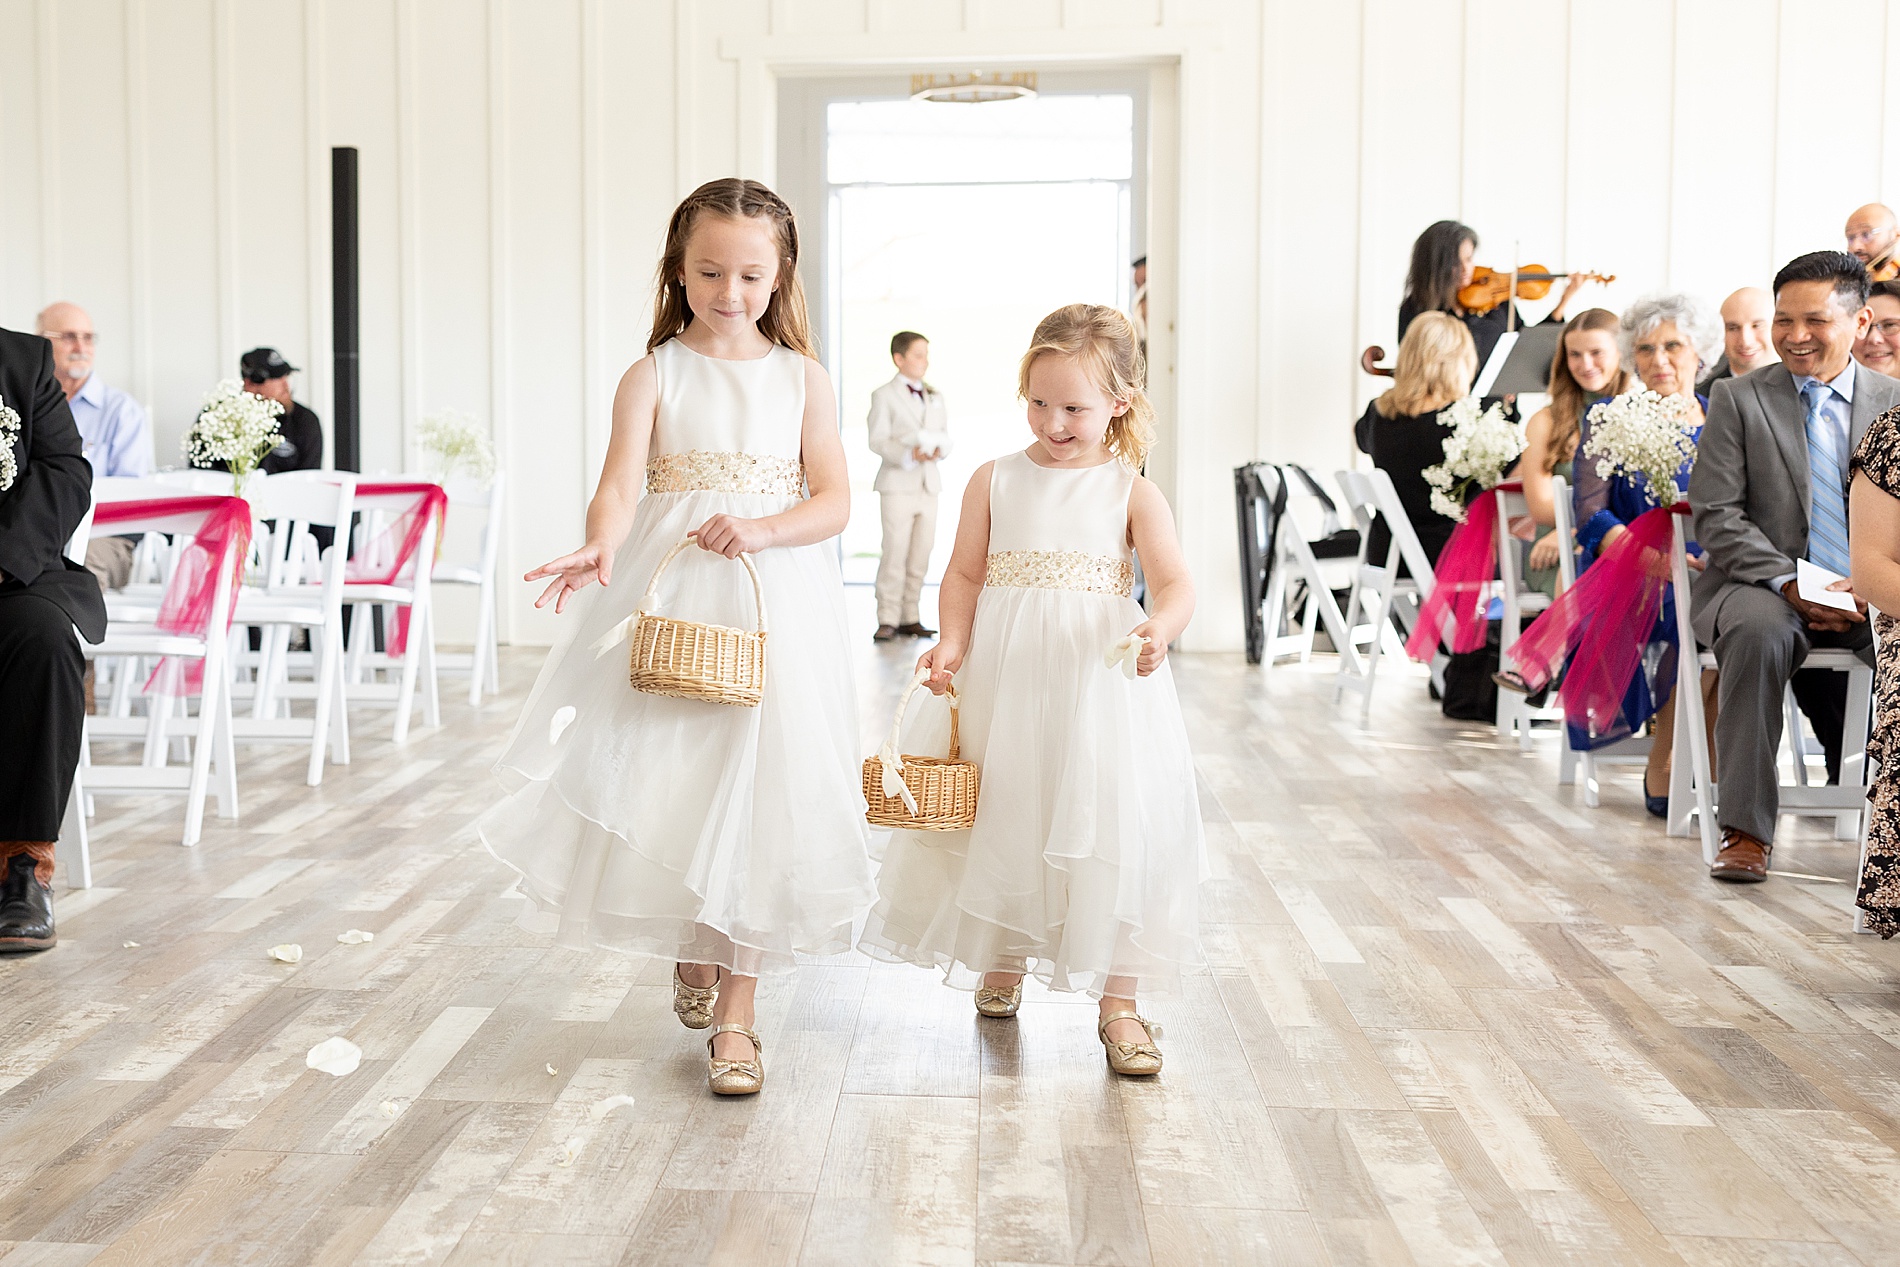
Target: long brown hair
<point>1568,399</point>
<point>1432,281</point>
<point>785,322</point>
<point>1437,361</point>
<point>1104,340</point>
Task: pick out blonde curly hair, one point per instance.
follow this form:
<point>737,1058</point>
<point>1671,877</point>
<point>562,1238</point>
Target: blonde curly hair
<point>1104,340</point>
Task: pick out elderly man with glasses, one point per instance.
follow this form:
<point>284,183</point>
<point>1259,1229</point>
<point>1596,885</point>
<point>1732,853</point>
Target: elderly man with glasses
<point>113,428</point>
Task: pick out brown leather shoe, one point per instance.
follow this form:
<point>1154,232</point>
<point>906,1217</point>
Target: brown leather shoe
<point>1743,859</point>
<point>884,633</point>
<point>915,629</point>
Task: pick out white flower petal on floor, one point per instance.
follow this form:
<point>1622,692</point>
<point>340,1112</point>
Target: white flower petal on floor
<point>335,1056</point>
<point>131,945</point>
<point>289,952</point>
<point>603,1107</point>
<point>563,716</point>
<point>552,1071</point>
<point>391,1108</point>
<point>355,937</point>
<point>570,1150</point>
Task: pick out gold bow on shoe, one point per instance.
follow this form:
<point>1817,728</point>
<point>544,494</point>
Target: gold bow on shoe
<point>735,1077</point>
<point>999,1000</point>
<point>694,1004</point>
<point>1136,1060</point>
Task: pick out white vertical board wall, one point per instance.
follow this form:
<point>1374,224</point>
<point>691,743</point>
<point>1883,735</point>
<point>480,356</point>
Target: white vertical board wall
<point>168,167</point>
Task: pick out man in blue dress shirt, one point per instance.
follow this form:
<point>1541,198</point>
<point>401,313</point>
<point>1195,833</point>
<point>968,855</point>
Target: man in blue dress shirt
<point>114,429</point>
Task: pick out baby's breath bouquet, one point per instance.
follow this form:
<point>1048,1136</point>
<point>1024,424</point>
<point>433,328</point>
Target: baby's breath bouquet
<point>236,428</point>
<point>1481,445</point>
<point>1641,433</point>
<point>451,441</point>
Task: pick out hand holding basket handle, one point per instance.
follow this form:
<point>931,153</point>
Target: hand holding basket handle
<point>920,793</point>
<point>687,660</point>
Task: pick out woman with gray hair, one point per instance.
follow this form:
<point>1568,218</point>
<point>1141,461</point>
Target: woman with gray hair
<point>1666,339</point>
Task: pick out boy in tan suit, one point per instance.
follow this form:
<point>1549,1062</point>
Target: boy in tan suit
<point>909,428</point>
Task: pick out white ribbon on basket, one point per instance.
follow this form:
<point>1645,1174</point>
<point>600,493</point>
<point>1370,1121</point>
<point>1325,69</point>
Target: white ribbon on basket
<point>888,756</point>
<point>624,630</point>
<point>1126,655</point>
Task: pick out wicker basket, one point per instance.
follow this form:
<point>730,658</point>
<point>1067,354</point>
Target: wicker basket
<point>688,660</point>
<point>944,788</point>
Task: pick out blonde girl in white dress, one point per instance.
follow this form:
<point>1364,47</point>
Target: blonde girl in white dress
<point>1085,862</point>
<point>726,839</point>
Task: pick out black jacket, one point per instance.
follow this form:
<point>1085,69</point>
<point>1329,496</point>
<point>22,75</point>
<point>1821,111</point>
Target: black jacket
<point>51,490</point>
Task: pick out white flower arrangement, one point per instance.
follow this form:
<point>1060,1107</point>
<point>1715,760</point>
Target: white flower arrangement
<point>1481,445</point>
<point>1643,434</point>
<point>9,436</point>
<point>236,428</point>
<point>452,441</point>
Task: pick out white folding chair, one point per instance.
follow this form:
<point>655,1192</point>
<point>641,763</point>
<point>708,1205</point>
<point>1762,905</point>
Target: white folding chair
<point>1692,790</point>
<point>1379,592</point>
<point>131,633</point>
<point>1293,559</point>
<point>298,593</point>
<point>1515,713</point>
<point>74,848</point>
<point>481,664</point>
<point>417,665</point>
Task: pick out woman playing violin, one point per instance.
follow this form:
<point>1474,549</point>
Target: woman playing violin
<point>1443,263</point>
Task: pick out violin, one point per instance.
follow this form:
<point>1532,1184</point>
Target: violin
<point>1489,287</point>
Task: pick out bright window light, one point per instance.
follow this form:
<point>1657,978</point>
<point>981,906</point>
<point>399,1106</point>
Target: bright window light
<point>924,142</point>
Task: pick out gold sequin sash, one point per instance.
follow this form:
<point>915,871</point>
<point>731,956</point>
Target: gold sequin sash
<point>1061,570</point>
<point>702,471</point>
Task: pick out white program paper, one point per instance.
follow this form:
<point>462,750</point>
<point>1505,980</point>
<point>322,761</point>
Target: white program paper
<point>1811,583</point>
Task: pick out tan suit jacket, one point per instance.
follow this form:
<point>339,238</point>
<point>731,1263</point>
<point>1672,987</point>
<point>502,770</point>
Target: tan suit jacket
<point>897,418</point>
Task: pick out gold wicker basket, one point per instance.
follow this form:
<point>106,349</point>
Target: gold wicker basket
<point>688,660</point>
<point>942,790</point>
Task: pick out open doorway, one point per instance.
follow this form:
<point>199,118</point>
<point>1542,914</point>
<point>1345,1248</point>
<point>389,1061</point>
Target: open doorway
<point>967,223</point>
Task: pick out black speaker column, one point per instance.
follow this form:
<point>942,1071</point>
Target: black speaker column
<point>346,333</point>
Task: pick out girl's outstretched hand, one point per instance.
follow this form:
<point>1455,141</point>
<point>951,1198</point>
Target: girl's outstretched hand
<point>732,536</point>
<point>940,662</point>
<point>573,572</point>
<point>1154,651</point>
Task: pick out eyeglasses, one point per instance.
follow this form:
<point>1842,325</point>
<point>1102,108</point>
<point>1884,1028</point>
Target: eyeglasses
<point>1889,330</point>
<point>84,338</point>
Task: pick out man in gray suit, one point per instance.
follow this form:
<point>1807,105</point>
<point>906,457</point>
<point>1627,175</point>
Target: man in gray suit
<point>1769,487</point>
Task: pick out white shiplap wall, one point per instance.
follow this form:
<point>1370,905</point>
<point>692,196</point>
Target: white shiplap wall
<point>167,165</point>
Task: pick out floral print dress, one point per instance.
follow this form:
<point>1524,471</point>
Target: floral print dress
<point>1879,459</point>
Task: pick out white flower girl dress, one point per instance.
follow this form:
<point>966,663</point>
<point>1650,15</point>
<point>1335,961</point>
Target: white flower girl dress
<point>1087,854</point>
<point>677,828</point>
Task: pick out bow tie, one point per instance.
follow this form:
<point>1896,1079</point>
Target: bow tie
<point>918,392</point>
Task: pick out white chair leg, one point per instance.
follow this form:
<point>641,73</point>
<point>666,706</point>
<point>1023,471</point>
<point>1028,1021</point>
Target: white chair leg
<point>494,645</point>
<point>480,663</point>
<point>327,672</point>
<point>422,624</point>
<point>1854,749</point>
<point>1566,763</point>
<point>1797,738</point>
<point>1309,625</point>
<point>406,690</point>
<point>201,762</point>
<point>1588,761</point>
<point>1273,608</point>
<point>74,850</point>
<point>224,758</point>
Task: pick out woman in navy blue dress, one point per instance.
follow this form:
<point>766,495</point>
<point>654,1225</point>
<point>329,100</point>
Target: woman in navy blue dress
<point>1666,339</point>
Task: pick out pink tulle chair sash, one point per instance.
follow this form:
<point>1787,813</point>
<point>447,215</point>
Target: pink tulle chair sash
<point>391,553</point>
<point>219,528</point>
<point>1602,624</point>
<point>1461,583</point>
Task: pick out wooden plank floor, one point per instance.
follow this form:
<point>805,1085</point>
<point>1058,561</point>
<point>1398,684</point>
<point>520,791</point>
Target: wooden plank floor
<point>1451,1017</point>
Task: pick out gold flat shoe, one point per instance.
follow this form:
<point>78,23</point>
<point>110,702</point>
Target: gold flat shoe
<point>999,1001</point>
<point>1135,1060</point>
<point>694,1004</point>
<point>736,1077</point>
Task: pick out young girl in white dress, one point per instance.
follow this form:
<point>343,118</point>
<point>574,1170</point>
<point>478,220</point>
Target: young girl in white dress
<point>724,838</point>
<point>1086,858</point>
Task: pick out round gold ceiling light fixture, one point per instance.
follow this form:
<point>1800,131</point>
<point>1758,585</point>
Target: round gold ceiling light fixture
<point>975,87</point>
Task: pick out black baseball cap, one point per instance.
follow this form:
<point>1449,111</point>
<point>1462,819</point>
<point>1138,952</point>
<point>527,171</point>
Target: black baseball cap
<point>260,365</point>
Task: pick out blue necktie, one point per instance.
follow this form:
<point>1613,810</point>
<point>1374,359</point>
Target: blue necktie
<point>1827,525</point>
